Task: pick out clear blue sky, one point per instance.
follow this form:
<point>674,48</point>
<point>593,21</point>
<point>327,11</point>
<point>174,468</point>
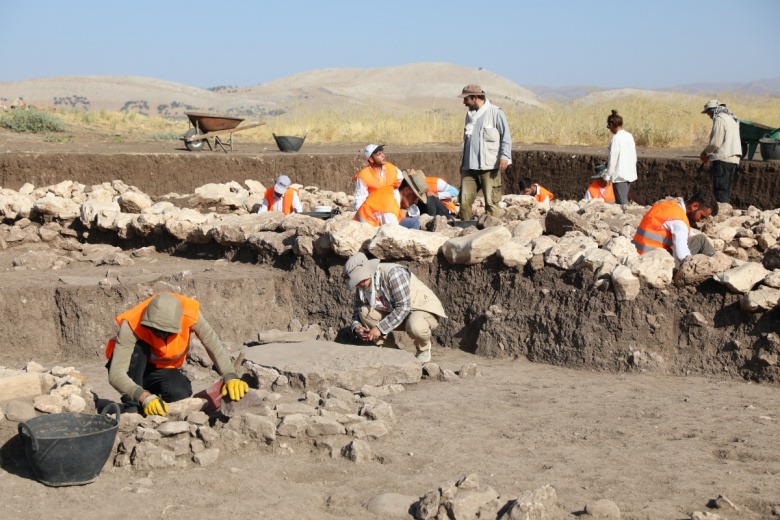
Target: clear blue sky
<point>628,43</point>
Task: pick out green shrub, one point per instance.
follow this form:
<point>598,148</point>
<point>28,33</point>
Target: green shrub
<point>31,121</point>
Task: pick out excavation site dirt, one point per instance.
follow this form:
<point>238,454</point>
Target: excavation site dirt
<point>549,394</point>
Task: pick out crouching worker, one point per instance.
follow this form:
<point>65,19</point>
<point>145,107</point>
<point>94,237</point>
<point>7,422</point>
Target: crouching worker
<point>151,346</point>
<point>667,225</point>
<point>389,297</point>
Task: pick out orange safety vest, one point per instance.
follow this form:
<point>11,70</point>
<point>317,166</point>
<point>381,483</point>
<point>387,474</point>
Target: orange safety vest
<point>287,201</point>
<point>543,194</point>
<point>170,353</point>
<point>650,234</point>
<point>380,201</point>
<point>433,186</point>
<point>595,192</point>
<point>373,181</point>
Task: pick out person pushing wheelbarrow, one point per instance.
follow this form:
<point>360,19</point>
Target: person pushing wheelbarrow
<point>146,355</point>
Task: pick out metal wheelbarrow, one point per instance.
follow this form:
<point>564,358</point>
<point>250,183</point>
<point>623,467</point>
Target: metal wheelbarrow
<point>751,133</point>
<point>205,126</point>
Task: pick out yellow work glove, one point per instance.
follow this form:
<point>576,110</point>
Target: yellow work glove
<point>236,388</point>
<point>154,405</point>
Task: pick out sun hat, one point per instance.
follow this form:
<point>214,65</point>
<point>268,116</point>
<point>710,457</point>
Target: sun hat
<point>472,90</point>
<point>359,268</point>
<point>416,181</point>
<point>601,171</point>
<point>282,183</point>
<point>371,149</point>
<point>709,105</point>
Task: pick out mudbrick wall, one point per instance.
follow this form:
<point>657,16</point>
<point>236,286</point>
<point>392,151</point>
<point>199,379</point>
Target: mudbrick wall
<point>565,174</point>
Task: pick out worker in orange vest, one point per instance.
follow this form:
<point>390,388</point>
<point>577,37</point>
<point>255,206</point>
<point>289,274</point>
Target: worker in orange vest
<point>377,174</point>
<point>600,188</point>
<point>281,197</point>
<point>383,206</point>
<point>444,191</point>
<point>667,225</point>
<point>527,187</point>
<point>146,355</point>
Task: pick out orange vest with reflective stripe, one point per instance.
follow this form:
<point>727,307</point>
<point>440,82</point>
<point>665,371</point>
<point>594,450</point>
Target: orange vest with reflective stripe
<point>595,192</point>
<point>170,353</point>
<point>433,186</point>
<point>650,234</point>
<point>543,194</point>
<point>380,201</point>
<point>373,181</point>
<point>287,201</point>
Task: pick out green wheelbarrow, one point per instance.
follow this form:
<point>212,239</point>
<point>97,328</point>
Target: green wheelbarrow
<point>751,133</point>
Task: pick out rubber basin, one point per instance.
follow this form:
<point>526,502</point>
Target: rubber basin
<point>770,149</point>
<point>69,449</point>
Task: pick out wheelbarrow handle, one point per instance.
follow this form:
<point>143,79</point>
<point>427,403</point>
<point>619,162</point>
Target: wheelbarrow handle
<point>113,407</point>
<point>27,431</point>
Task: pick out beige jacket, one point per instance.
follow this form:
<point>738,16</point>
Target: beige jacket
<point>725,144</point>
<point>422,297</point>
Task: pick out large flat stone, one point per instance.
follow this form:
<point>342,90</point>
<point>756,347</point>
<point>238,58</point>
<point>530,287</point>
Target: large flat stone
<point>314,365</point>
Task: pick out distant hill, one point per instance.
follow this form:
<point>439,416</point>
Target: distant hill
<point>432,86</point>
<point>419,86</point>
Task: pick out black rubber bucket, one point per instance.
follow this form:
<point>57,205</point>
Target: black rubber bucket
<point>69,449</point>
<point>770,149</point>
<point>288,143</point>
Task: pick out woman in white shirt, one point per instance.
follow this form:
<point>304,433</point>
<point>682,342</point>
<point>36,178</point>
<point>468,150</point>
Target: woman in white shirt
<point>621,158</point>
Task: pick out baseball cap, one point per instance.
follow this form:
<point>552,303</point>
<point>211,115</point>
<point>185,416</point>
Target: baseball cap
<point>371,149</point>
<point>282,183</point>
<point>472,90</point>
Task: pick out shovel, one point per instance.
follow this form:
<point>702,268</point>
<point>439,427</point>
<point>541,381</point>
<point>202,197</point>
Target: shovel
<point>213,394</point>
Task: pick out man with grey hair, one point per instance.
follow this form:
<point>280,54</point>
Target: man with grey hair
<point>724,149</point>
<point>389,297</point>
<point>487,151</point>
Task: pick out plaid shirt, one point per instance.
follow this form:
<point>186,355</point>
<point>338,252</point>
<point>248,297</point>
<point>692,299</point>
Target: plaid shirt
<point>397,295</point>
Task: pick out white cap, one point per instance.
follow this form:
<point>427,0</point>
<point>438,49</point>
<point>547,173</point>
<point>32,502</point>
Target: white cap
<point>282,183</point>
<point>371,149</point>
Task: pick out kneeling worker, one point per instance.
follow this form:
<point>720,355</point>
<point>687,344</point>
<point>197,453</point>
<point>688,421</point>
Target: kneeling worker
<point>386,205</point>
<point>389,297</point>
<point>667,225</point>
<point>600,188</point>
<point>281,197</point>
<point>535,190</point>
<point>151,346</point>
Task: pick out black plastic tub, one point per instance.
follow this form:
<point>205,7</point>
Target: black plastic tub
<point>288,143</point>
<point>770,149</point>
<point>69,449</point>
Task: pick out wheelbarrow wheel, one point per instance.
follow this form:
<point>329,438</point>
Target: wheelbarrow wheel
<point>193,146</point>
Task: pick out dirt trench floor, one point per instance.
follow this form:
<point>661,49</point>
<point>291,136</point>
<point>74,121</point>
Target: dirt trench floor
<point>659,446</point>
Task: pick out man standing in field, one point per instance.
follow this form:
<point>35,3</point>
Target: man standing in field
<point>724,149</point>
<point>487,151</point>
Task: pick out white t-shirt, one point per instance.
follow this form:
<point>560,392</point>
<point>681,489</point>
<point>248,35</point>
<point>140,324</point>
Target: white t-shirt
<point>621,158</point>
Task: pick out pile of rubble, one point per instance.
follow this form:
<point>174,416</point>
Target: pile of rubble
<point>566,234</point>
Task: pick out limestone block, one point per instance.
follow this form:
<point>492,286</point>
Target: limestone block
<point>515,253</point>
<point>347,237</point>
<point>255,187</point>
<point>171,428</point>
<point>293,425</point>
<point>476,247</point>
<point>467,504</point>
<point>541,245</point>
<point>359,451</point>
<point>529,229</point>
<point>89,210</point>
<point>725,233</point>
<point>568,251</point>
<point>271,243</point>
<point>741,279</point>
<point>134,201</point>
<point>534,505</point>
<point>598,260</point>
<point>20,385</point>
<point>558,222</point>
<point>655,268</point>
<point>304,225</point>
<point>697,268</point>
<point>236,229</point>
<point>324,426</point>
<point>206,457</point>
<point>394,242</point>
<point>145,224</point>
<point>603,509</point>
<point>624,283</point>
<point>622,248</point>
<point>303,246</point>
<point>368,430</point>
<point>762,299</point>
<point>57,207</point>
<point>773,279</point>
<point>47,404</point>
<point>19,410</point>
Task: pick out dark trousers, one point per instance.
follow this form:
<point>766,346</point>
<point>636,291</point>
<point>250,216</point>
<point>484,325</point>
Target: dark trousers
<point>168,383</point>
<point>722,179</point>
<point>621,192</point>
